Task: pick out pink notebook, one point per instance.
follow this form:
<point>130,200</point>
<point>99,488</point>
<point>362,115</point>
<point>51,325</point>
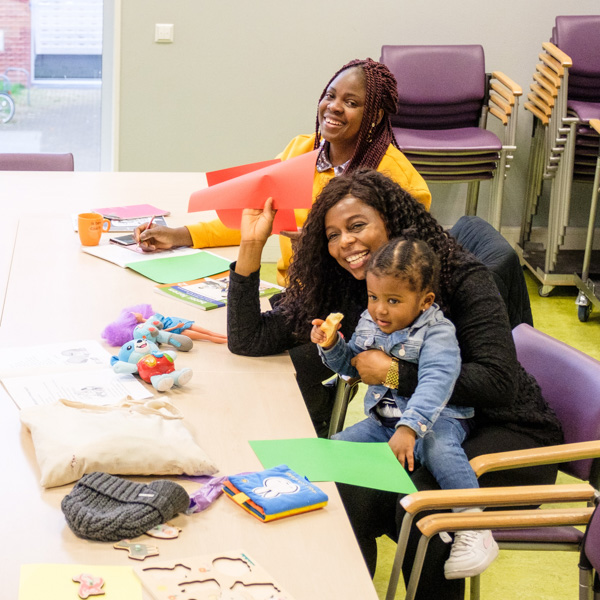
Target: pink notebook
<point>134,211</point>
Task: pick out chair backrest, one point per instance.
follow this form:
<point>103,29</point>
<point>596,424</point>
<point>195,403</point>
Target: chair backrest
<point>579,37</point>
<point>36,162</point>
<point>489,246</point>
<point>439,87</point>
<point>569,380</point>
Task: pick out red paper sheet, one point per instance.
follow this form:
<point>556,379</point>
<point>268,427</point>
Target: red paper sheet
<point>215,177</point>
<point>288,182</point>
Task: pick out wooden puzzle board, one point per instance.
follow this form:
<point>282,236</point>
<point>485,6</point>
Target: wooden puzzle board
<point>225,576</point>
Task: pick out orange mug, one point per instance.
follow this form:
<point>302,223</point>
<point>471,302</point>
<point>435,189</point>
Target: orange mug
<point>90,227</point>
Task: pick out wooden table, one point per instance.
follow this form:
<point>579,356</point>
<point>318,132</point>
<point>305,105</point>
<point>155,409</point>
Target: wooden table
<point>56,292</point>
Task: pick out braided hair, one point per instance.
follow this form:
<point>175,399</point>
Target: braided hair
<point>410,260</point>
<point>381,92</point>
<point>316,280</point>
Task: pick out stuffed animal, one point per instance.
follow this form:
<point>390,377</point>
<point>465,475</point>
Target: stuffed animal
<point>152,329</point>
<point>119,332</point>
<point>143,357</point>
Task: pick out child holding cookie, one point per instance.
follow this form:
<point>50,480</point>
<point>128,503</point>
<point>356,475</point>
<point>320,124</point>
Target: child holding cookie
<point>403,320</point>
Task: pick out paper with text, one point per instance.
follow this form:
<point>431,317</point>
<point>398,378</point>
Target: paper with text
<point>78,370</point>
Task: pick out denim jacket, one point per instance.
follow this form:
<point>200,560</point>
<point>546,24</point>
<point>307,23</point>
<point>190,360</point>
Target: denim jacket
<point>431,342</point>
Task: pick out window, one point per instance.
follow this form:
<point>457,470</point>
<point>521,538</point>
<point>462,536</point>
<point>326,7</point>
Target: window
<point>51,64</point>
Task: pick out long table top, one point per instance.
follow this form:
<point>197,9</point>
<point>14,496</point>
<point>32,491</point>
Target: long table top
<point>56,292</point>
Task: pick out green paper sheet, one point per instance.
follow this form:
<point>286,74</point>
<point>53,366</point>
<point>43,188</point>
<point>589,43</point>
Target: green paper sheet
<point>173,269</point>
<point>370,465</point>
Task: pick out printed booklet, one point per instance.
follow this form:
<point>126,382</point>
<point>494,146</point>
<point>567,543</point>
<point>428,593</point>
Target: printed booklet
<point>209,292</point>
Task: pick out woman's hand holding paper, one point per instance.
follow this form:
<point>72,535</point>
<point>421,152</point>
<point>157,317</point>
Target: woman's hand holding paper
<point>256,227</point>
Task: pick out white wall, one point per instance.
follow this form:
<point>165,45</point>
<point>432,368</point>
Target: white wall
<point>242,78</point>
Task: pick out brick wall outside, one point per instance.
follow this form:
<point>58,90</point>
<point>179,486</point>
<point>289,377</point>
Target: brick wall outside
<point>15,21</point>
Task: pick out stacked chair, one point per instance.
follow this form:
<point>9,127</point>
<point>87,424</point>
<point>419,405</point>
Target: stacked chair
<point>566,377</point>
<point>589,288</point>
<point>445,97</point>
<point>564,96</point>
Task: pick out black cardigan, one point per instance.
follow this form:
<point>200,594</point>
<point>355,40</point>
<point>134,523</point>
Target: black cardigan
<point>491,378</point>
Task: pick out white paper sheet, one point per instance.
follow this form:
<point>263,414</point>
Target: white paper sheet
<point>92,387</point>
<point>122,256</point>
<point>78,370</point>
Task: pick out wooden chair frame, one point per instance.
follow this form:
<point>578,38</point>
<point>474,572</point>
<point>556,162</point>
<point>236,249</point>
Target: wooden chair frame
<point>418,502</point>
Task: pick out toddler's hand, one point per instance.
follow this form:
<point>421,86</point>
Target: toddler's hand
<point>402,444</point>
<point>317,335</point>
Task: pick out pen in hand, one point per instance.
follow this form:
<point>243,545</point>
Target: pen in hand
<point>148,225</point>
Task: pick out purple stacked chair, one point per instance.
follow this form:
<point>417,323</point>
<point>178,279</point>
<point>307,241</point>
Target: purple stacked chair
<point>445,97</point>
<point>579,38</point>
<point>564,97</point>
<point>36,162</point>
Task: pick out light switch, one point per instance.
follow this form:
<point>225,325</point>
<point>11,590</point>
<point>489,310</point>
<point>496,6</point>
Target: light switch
<point>163,32</point>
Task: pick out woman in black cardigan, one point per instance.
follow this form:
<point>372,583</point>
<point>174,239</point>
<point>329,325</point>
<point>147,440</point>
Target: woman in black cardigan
<point>353,216</point>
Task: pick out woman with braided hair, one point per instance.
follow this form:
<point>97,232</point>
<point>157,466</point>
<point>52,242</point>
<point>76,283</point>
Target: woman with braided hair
<point>354,216</point>
<point>353,130</point>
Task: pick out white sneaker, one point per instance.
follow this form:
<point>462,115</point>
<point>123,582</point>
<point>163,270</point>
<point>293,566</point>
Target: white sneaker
<point>471,554</point>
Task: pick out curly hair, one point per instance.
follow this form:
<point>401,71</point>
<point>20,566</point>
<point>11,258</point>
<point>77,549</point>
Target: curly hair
<point>316,280</point>
<point>381,93</point>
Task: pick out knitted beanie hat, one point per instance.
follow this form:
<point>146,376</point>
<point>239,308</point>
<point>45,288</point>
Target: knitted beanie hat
<point>107,508</point>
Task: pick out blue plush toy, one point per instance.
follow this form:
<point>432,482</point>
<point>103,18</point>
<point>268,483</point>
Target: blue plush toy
<point>153,330</point>
<point>143,357</point>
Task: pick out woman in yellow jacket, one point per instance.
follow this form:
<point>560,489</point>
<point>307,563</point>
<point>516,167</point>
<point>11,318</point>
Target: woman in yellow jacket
<point>353,130</point>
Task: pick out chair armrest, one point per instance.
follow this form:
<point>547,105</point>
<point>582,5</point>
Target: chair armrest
<point>558,54</point>
<point>549,87</point>
<point>553,63</point>
<point>503,103</point>
<point>505,519</point>
<point>540,103</point>
<point>500,103</point>
<point>508,519</point>
<point>514,88</point>
<point>542,93</point>
<point>536,112</point>
<point>595,124</point>
<point>549,75</point>
<point>497,496</point>
<point>535,456</point>
<point>500,115</point>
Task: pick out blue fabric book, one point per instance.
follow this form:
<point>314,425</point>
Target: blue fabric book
<point>274,493</point>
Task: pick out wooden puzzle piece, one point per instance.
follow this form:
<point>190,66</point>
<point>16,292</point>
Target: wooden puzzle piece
<point>89,585</point>
<point>137,551</point>
<point>164,531</point>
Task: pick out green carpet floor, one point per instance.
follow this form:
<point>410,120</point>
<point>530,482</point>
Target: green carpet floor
<point>517,575</point>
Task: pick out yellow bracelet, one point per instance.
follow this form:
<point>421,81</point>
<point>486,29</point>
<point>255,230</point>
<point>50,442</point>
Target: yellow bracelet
<point>391,379</point>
